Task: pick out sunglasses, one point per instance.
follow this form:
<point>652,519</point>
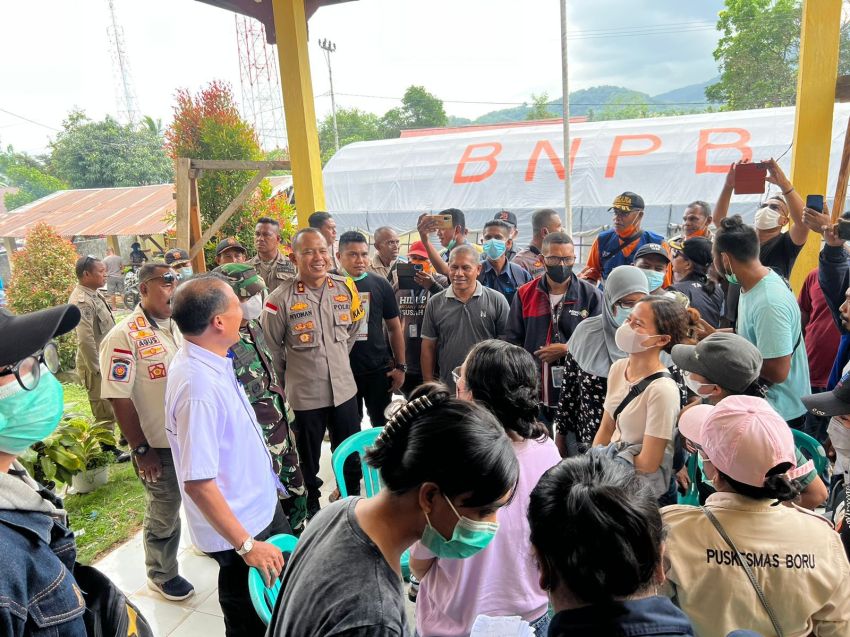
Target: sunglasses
<point>28,371</point>
<point>168,277</point>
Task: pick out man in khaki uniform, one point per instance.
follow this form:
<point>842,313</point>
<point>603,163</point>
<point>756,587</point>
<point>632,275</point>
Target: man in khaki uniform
<point>95,321</point>
<point>135,358</point>
<point>271,265</point>
<point>310,323</point>
<point>386,252</point>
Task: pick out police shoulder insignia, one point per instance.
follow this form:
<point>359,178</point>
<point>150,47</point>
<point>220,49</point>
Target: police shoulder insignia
<point>119,369</point>
<point>132,325</point>
<point>141,322</point>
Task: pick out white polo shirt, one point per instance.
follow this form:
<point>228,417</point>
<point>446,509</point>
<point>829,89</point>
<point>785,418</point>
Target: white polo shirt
<point>213,434</point>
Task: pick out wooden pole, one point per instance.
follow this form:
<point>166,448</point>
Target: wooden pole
<point>9,242</point>
<point>183,200</point>
<point>198,262</point>
<point>843,176</point>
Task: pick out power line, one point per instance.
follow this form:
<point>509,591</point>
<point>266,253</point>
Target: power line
<point>496,103</point>
<point>27,119</point>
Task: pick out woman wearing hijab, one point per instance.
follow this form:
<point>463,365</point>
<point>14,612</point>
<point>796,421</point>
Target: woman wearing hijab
<point>591,354</point>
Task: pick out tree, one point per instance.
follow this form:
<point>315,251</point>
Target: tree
<point>419,109</point>
<point>42,277</point>
<point>353,124</point>
<point>758,53</point>
<point>105,154</point>
<point>208,126</point>
<point>539,107</point>
<point>28,175</point>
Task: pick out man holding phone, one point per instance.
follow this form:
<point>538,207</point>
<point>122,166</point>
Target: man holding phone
<point>451,235</point>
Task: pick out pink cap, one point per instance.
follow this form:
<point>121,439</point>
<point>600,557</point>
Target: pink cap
<point>742,436</point>
<point>417,248</point>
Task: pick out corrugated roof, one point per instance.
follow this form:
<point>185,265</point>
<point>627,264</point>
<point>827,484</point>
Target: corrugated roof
<point>96,211</point>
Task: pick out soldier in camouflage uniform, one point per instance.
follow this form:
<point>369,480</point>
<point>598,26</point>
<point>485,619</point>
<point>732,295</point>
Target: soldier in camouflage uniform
<point>255,371</point>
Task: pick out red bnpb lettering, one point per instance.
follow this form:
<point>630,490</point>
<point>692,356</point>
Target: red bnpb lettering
<point>545,147</point>
<point>705,146</point>
<point>469,158</point>
<point>617,150</point>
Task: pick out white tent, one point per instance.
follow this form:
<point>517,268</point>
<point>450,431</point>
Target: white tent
<point>670,161</point>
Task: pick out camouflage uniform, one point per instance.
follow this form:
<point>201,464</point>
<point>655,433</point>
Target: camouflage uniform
<point>252,363</point>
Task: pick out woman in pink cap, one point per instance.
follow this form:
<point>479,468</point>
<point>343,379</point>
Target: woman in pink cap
<point>741,561</point>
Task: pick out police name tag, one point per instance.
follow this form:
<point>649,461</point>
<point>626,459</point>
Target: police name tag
<point>413,330</point>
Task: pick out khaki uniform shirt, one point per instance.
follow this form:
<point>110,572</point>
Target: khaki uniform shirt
<point>274,272</point>
<point>377,267</point>
<point>530,261</point>
<point>95,321</point>
<point>796,557</point>
<point>308,333</point>
<point>135,358</point>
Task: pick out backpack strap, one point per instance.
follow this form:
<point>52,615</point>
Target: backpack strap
<point>638,389</point>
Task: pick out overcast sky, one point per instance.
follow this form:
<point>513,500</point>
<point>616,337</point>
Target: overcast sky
<point>56,55</point>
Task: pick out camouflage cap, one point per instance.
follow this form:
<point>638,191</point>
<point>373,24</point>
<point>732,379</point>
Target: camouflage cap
<point>243,278</point>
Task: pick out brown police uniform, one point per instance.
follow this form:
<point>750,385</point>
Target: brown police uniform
<point>309,333</point>
<point>795,555</point>
<point>95,321</point>
<point>134,358</point>
<point>274,272</point>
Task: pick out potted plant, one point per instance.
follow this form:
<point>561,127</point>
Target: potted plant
<point>89,439</point>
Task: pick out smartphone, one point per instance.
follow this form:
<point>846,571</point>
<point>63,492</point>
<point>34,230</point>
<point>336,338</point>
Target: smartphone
<point>443,222</point>
<point>406,273</point>
<point>815,202</point>
<point>750,178</point>
<point>844,229</point>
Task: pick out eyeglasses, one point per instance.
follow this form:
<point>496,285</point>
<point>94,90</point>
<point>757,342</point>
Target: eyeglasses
<point>559,260</point>
<point>167,278</point>
<point>626,305</point>
<point>624,213</point>
<point>28,371</point>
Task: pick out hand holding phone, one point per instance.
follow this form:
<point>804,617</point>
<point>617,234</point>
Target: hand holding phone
<point>815,202</point>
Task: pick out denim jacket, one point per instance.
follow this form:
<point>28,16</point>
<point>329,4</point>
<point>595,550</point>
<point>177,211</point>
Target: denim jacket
<point>834,278</point>
<point>38,593</point>
<point>647,617</point>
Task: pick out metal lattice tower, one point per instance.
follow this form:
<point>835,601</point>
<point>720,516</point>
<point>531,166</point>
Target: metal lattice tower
<point>260,81</point>
<point>125,93</point>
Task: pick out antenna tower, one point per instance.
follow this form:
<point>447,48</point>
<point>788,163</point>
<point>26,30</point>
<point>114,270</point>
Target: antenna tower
<point>125,93</point>
<point>260,81</point>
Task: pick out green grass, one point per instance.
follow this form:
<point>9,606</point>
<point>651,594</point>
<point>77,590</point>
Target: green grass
<point>111,514</point>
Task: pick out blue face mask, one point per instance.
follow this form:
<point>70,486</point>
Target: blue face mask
<point>27,417</point>
<point>185,273</point>
<point>494,248</point>
<point>621,314</point>
<point>655,279</point>
<point>468,538</point>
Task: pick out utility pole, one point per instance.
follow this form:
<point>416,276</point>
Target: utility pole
<point>565,90</point>
<point>329,47</point>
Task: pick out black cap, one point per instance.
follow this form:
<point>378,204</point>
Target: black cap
<point>228,244</point>
<point>698,250</point>
<point>26,334</point>
<point>507,216</point>
<point>627,201</point>
<point>650,249</point>
<point>176,255</point>
<point>829,403</point>
<point>727,359</point>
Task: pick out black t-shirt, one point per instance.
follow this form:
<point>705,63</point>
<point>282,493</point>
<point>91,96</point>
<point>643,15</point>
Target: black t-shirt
<point>779,254</point>
<point>371,351</point>
<point>708,305</point>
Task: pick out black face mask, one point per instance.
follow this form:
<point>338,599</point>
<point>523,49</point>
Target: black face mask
<point>559,273</point>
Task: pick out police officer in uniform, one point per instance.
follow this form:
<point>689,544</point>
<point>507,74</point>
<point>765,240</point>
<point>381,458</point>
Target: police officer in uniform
<point>270,264</point>
<point>135,356</point>
<point>96,320</point>
<point>252,362</point>
<point>310,323</point>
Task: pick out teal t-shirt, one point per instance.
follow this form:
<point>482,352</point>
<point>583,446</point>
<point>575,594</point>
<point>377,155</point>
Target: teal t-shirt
<point>769,317</point>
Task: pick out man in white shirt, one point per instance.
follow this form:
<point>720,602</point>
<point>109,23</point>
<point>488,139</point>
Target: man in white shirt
<point>224,469</point>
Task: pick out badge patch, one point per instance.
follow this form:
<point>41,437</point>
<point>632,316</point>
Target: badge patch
<point>297,307</point>
<point>156,371</point>
<point>271,308</point>
<point>344,318</point>
<point>140,334</point>
<point>147,342</point>
<point>147,352</point>
<point>309,325</point>
<point>340,298</point>
<point>141,322</point>
<point>123,351</point>
<point>132,325</point>
<point>306,338</point>
<point>120,369</point>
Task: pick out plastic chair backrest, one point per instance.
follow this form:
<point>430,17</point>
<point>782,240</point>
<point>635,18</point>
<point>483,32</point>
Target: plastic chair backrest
<point>810,448</point>
<point>691,496</point>
<point>263,597</point>
<point>357,443</point>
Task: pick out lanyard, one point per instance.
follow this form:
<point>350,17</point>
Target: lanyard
<point>556,320</point>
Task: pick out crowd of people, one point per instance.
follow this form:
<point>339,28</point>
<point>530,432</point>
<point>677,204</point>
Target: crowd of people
<point>553,417</point>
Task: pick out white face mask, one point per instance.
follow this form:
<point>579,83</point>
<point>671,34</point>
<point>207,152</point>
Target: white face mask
<point>766,218</point>
<point>252,307</point>
<point>695,387</point>
<point>630,341</point>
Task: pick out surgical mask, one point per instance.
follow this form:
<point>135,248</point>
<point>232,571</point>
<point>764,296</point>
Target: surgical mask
<point>26,417</point>
<point>767,218</point>
<point>694,386</point>
<point>559,273</point>
<point>468,538</point>
<point>494,248</point>
<point>655,279</point>
<point>621,314</point>
<point>252,308</point>
<point>355,278</point>
<point>185,273</point>
<point>628,231</point>
<point>451,245</point>
<point>630,341</point>
<point>730,276</point>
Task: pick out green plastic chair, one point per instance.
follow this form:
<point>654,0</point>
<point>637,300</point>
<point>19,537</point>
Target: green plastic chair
<point>812,449</point>
<point>691,496</point>
<point>262,597</point>
<point>358,443</point>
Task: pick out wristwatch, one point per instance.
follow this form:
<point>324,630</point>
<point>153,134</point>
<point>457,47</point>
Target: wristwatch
<point>246,547</point>
<point>401,367</point>
<point>141,450</point>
